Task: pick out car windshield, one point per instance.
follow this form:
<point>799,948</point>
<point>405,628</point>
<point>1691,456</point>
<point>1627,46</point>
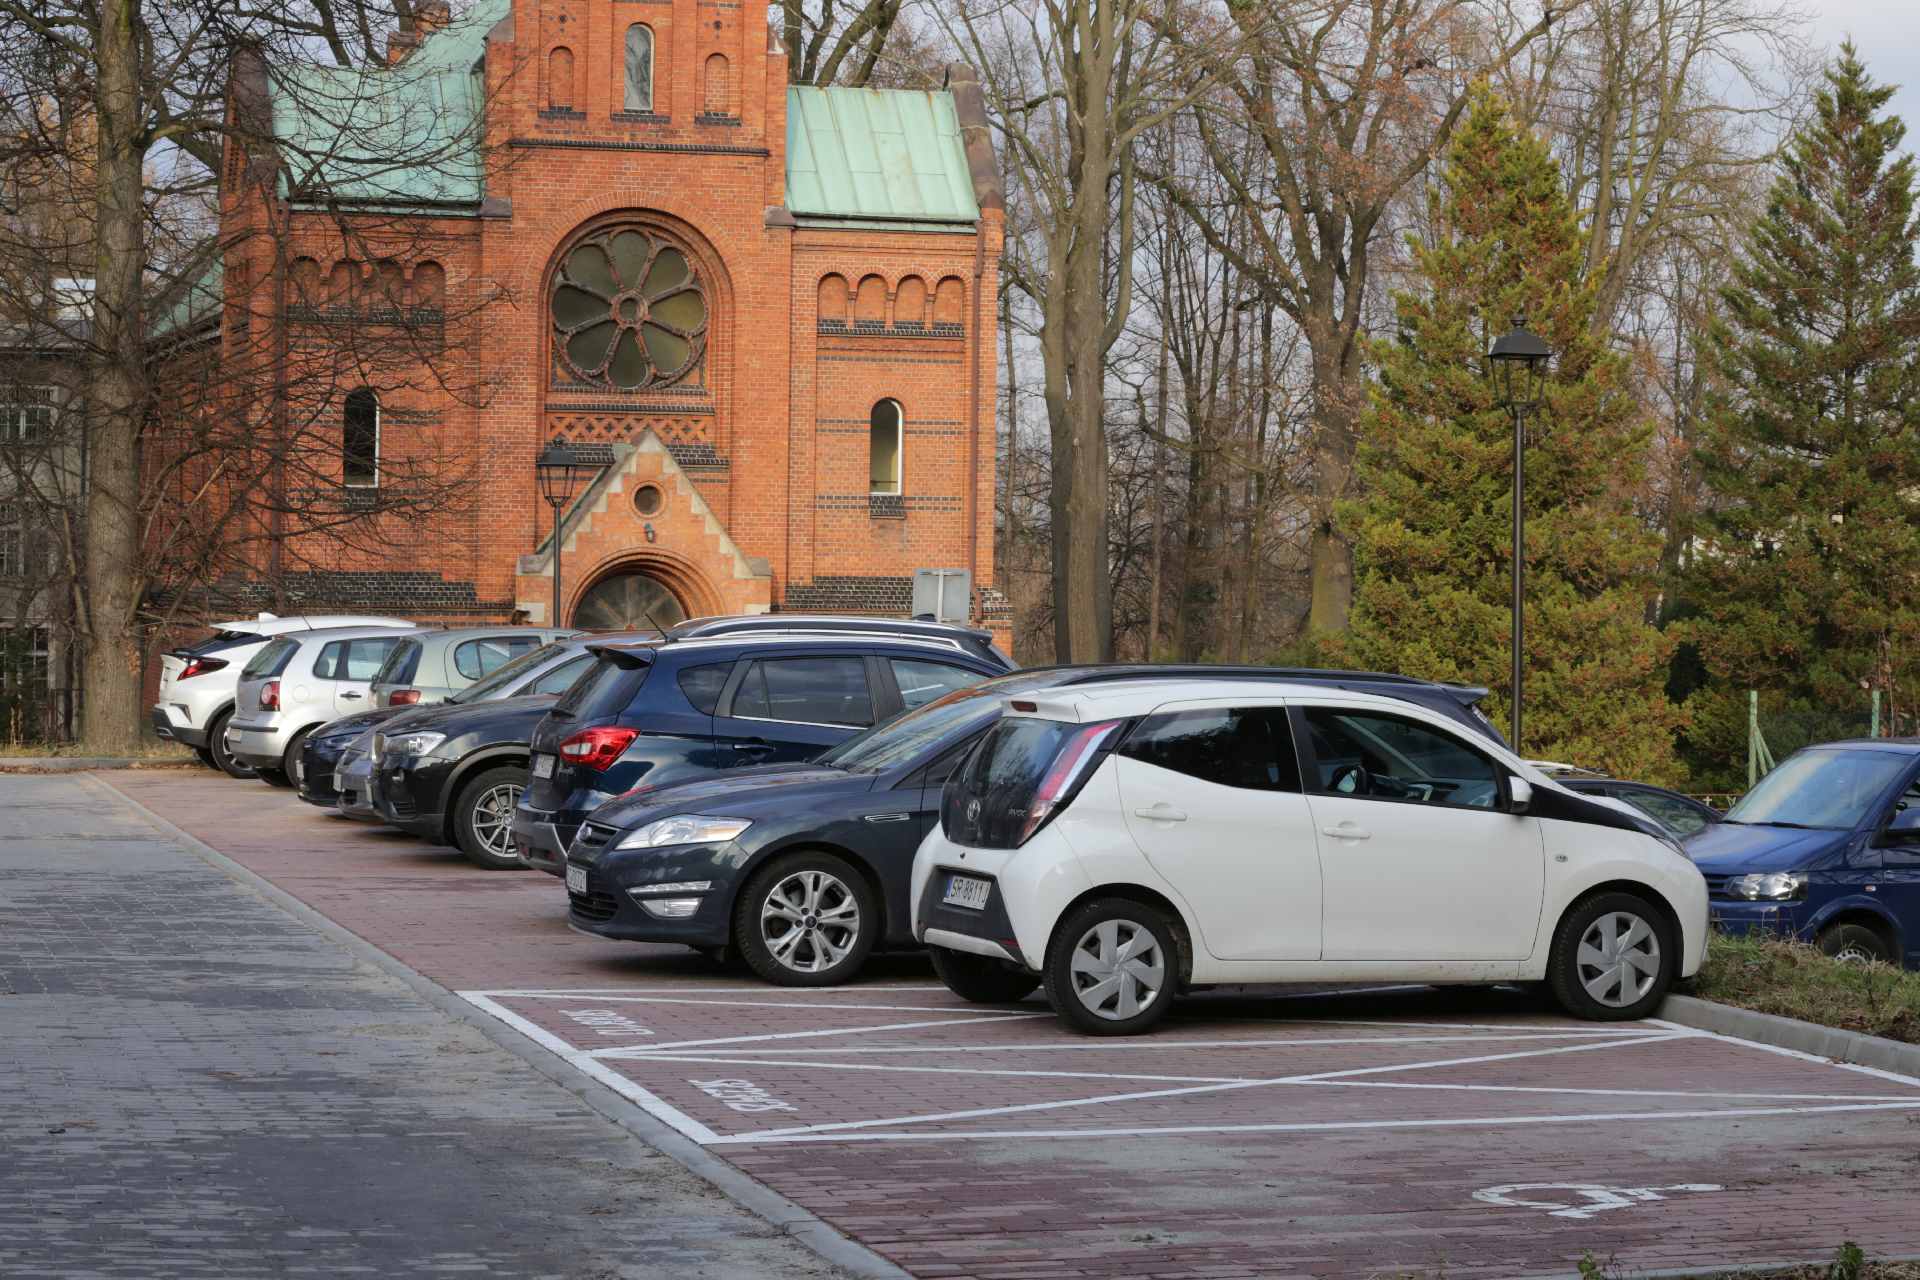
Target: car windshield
<point>502,676</point>
<point>906,738</point>
<point>1831,790</point>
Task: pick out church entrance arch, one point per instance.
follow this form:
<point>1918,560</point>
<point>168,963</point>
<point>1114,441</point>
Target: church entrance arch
<point>628,599</point>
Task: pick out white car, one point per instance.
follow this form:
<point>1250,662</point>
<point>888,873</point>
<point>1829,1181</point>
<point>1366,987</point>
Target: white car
<point>197,682</point>
<point>1124,843</point>
<point>298,682</point>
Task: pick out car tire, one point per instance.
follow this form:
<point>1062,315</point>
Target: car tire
<point>483,818</point>
<point>273,777</point>
<point>982,979</point>
<point>806,920</point>
<point>1612,958</point>
<point>1113,967</point>
<point>291,763</point>
<point>217,744</point>
<point>206,757</point>
<point>1854,944</point>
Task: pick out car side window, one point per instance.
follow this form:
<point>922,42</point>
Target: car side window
<point>561,678</point>
<point>1677,815</point>
<point>1246,747</point>
<point>329,665</point>
<point>807,691</point>
<point>703,684</point>
<point>365,658</point>
<point>476,658</point>
<point>1384,757</point>
<point>922,682</point>
<point>937,773</point>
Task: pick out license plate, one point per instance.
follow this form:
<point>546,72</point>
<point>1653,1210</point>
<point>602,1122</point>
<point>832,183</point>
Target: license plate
<point>576,879</point>
<point>543,766</point>
<point>967,891</point>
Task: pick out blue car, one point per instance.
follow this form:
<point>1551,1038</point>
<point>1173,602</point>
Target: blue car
<point>1826,849</point>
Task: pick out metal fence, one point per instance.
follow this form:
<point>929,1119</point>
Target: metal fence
<point>1775,734</point>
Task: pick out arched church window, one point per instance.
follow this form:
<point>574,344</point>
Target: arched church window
<point>360,439</point>
<point>883,447</point>
<point>639,67</point>
<point>629,311</point>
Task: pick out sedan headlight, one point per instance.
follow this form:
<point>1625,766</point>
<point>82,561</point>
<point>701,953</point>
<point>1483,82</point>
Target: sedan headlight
<point>411,744</point>
<point>1769,886</point>
<point>684,829</point>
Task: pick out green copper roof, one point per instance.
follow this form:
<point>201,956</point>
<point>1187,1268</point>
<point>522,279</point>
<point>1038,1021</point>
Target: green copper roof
<point>405,134</point>
<point>891,154</point>
<point>194,302</point>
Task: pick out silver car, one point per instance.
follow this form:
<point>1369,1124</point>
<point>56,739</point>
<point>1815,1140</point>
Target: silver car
<point>432,666</point>
<point>296,683</point>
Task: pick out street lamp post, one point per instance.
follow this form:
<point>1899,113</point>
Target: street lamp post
<point>1519,360</point>
<point>560,468</point>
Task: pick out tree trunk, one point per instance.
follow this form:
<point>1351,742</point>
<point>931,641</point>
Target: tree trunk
<point>1159,499</point>
<point>1336,396</point>
<point>110,723</point>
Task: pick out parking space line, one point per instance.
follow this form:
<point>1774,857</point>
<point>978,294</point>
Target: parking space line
<point>1302,1127</point>
<point>1091,1044</point>
<point>1626,1093</point>
<point>730,1061</point>
<point>967,1010</point>
<point>633,1050</point>
<point>652,1104</point>
<point>565,992</point>
<point>1877,1072</point>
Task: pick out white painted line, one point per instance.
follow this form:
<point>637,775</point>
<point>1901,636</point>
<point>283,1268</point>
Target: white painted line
<point>583,1061</point>
<point>1090,1044</point>
<point>1615,1029</point>
<point>735,1061</point>
<point>975,1113</point>
<point>1626,1093</point>
<point>804,1035</point>
<point>967,1010</point>
<point>559,993</point>
<point>1783,1051</point>
<point>1626,1117</point>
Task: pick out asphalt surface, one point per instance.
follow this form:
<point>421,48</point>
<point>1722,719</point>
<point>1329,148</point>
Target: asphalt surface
<point>197,1085</point>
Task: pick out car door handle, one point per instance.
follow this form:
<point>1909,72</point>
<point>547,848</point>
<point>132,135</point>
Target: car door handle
<point>1347,831</point>
<point>1161,812</point>
<point>889,817</point>
<point>349,694</point>
<point>753,746</point>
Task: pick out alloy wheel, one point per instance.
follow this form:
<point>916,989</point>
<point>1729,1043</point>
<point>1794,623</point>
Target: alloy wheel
<point>1618,959</point>
<point>493,818</point>
<point>810,921</point>
<point>1118,968</point>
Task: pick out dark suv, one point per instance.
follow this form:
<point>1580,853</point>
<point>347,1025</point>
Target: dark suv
<point>649,714</point>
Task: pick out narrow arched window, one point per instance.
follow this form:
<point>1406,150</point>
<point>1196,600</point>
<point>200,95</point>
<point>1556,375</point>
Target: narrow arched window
<point>718,97</point>
<point>639,68</point>
<point>560,79</point>
<point>883,447</point>
<point>360,439</point>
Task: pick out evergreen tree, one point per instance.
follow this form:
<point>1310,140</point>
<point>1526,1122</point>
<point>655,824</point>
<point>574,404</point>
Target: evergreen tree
<point>1804,576</point>
<point>1433,533</point>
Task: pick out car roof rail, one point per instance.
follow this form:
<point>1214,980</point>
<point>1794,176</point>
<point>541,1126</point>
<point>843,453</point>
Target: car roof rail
<point>816,622</point>
<point>1096,672</point>
<point>944,643</point>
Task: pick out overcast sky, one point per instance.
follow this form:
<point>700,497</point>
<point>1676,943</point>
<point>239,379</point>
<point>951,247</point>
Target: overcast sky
<point>1888,35</point>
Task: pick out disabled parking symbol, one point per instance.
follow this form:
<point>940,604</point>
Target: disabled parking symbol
<point>1587,1198</point>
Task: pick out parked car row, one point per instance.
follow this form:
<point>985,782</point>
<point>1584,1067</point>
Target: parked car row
<point>803,792</point>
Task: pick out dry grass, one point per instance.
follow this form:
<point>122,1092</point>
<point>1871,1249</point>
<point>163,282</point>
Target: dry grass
<point>1794,980</point>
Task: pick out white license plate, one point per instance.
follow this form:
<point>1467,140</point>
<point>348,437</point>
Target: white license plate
<point>967,891</point>
<point>543,766</point>
<point>576,879</point>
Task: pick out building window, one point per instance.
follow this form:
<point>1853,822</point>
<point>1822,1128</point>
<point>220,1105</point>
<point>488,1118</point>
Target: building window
<point>360,439</point>
<point>883,447</point>
<point>639,68</point>
<point>13,545</point>
<point>26,415</point>
<point>23,660</point>
<point>629,312</point>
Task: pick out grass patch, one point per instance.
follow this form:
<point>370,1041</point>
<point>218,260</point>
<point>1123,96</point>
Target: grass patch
<point>151,752</point>
<point>1794,980</point>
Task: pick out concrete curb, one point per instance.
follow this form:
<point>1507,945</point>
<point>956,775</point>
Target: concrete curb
<point>763,1201</point>
<point>69,764</point>
<point>1790,1033</point>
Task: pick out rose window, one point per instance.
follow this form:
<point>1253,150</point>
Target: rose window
<point>629,312</point>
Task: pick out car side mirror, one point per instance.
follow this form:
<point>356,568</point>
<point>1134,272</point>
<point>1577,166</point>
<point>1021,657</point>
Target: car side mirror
<point>1905,826</point>
<point>1520,794</point>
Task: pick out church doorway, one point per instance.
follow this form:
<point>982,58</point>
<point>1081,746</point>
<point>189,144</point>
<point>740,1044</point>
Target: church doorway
<point>628,601</point>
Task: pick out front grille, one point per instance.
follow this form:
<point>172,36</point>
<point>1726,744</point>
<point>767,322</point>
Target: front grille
<point>593,906</point>
<point>1717,887</point>
<point>590,843</point>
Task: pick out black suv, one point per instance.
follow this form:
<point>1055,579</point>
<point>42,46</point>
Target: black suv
<point>649,714</point>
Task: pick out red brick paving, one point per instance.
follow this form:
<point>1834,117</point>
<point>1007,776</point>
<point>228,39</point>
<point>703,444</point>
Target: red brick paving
<point>943,1198</point>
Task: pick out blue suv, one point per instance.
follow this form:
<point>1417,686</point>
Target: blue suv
<point>650,714</point>
<point>1827,849</point>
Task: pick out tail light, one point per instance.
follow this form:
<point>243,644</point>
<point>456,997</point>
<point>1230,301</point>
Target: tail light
<point>1064,776</point>
<point>598,747</point>
<point>270,696</point>
<point>200,667</point>
<point>403,698</point>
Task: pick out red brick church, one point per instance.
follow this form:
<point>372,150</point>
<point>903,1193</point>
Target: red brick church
<point>765,310</point>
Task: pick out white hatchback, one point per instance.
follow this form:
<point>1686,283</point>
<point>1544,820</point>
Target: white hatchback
<point>1124,843</point>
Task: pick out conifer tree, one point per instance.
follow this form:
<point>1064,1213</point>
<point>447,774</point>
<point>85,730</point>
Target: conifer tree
<point>1805,575</point>
<point>1432,535</point>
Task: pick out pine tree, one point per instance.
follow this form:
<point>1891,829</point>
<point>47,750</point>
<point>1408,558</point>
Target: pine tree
<point>1432,533</point>
<point>1805,576</point>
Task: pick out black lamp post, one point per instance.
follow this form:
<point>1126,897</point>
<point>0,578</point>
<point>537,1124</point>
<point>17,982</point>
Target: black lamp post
<point>1519,360</point>
<point>560,468</point>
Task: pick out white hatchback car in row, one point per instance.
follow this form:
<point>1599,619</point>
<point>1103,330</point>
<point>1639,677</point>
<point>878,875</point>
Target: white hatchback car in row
<point>1124,843</point>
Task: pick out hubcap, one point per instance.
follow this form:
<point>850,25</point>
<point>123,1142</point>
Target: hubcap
<point>1118,969</point>
<point>493,818</point>
<point>810,921</point>
<point>1618,959</point>
<point>1854,953</point>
